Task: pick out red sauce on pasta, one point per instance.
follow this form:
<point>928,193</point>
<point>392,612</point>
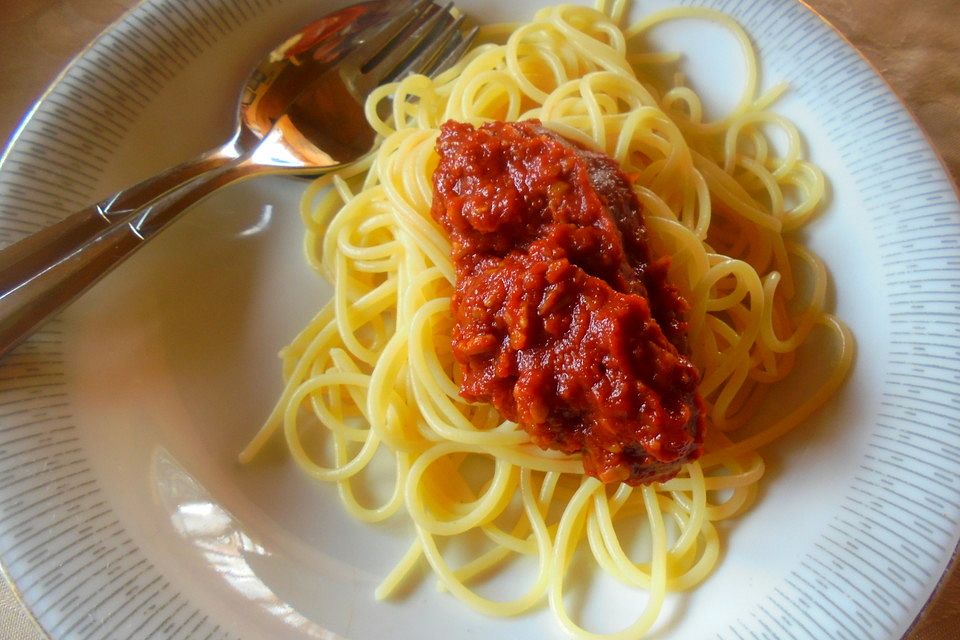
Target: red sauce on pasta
<point>561,318</point>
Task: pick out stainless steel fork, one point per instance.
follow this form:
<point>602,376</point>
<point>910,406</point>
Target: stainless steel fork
<point>322,130</point>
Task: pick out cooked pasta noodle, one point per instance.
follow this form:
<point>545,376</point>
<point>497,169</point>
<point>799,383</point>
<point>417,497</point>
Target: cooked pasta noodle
<point>373,371</point>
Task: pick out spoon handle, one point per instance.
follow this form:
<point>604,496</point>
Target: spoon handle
<point>58,241</point>
<point>52,283</point>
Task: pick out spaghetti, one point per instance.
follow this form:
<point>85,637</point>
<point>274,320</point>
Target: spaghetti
<point>372,375</point>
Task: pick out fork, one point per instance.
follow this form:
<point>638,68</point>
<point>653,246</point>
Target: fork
<point>324,129</point>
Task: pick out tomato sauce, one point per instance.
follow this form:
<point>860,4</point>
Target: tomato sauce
<point>561,319</point>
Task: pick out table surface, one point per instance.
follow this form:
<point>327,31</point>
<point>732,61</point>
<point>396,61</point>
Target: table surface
<point>915,46</point>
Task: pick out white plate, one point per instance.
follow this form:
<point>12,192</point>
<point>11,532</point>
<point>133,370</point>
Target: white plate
<point>124,515</point>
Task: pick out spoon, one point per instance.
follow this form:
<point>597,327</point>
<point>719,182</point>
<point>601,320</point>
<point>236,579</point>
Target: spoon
<point>321,128</point>
<point>269,89</point>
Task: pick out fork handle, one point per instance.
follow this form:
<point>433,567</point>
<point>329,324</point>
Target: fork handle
<point>20,261</point>
<point>50,284</point>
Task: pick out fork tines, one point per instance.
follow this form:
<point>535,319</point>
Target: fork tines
<point>424,39</point>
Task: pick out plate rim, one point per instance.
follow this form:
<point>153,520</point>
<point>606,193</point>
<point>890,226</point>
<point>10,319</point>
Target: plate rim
<point>952,568</point>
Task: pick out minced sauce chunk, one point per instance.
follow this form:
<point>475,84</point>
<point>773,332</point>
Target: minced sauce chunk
<point>561,319</point>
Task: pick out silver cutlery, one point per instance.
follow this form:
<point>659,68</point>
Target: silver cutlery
<point>305,121</point>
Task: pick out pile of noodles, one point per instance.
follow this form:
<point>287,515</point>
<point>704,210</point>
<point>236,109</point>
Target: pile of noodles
<point>372,377</point>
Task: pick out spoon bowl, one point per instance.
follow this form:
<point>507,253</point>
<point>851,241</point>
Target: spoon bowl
<point>293,66</point>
